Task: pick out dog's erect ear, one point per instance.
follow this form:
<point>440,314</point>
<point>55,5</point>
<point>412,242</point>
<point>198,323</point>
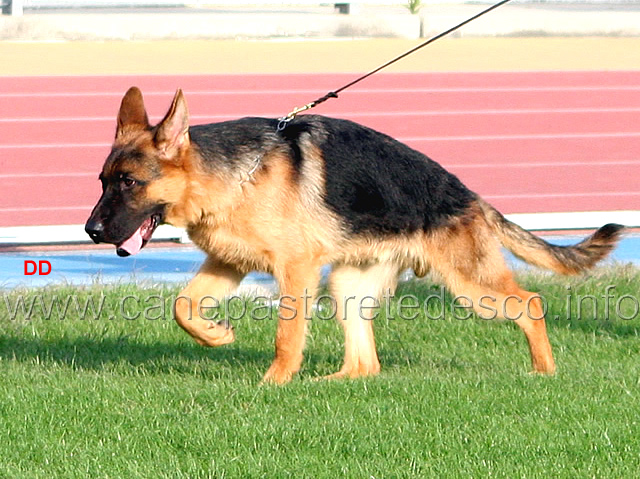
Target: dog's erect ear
<point>132,112</point>
<point>172,133</point>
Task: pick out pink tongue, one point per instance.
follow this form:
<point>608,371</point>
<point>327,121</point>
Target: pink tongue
<point>133,244</point>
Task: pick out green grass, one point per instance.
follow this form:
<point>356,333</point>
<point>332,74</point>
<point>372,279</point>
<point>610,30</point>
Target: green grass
<point>138,398</point>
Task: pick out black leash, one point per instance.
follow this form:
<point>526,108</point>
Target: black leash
<point>334,94</point>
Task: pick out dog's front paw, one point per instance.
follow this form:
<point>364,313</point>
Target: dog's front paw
<point>216,334</point>
<point>278,373</point>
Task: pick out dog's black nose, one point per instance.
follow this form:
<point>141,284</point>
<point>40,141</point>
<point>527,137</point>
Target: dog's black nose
<point>95,230</point>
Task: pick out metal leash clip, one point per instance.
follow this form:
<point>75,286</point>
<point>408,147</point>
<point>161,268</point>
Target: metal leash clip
<point>284,121</point>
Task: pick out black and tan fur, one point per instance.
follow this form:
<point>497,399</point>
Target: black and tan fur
<point>322,191</point>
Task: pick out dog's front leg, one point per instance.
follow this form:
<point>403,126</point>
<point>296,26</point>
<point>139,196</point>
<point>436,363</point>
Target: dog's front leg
<point>298,285</point>
<point>213,282</point>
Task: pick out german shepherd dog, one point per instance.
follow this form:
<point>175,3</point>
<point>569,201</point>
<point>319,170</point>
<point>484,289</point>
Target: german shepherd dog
<point>318,191</point>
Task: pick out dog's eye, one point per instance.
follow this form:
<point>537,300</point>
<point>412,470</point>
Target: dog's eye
<point>127,181</point>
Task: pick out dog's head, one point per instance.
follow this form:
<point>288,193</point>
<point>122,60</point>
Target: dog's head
<point>135,194</point>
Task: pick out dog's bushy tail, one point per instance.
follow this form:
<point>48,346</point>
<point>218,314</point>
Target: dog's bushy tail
<point>561,259</point>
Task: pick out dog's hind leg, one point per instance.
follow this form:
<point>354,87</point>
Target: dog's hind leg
<point>357,291</point>
<point>298,285</point>
<point>213,282</point>
<point>469,260</point>
<point>511,302</point>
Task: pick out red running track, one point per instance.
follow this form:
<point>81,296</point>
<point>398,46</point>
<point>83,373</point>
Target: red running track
<point>528,142</point>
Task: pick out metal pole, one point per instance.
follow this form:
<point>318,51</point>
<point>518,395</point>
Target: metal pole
<point>12,7</point>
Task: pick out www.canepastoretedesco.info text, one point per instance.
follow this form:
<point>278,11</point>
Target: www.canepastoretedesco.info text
<point>605,306</point>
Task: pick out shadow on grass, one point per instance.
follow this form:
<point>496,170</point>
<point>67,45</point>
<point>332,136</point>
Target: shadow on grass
<point>107,353</point>
<point>184,357</point>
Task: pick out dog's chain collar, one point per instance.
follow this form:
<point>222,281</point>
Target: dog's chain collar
<point>248,176</point>
<point>282,124</point>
